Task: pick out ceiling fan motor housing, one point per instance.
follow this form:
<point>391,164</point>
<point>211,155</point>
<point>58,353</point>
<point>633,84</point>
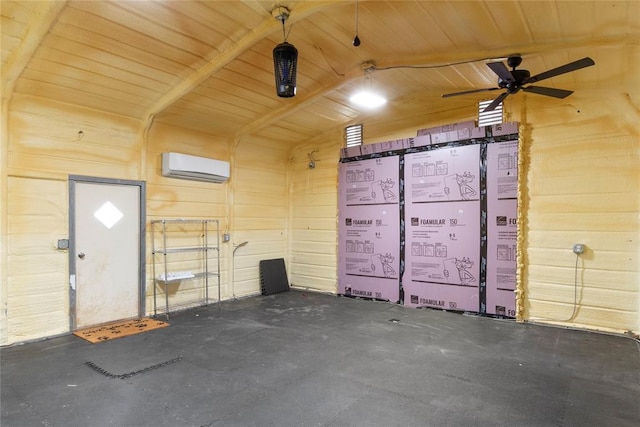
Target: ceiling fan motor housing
<point>514,60</point>
<point>519,78</point>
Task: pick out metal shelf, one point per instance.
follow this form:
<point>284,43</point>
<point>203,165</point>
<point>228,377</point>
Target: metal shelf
<point>183,221</point>
<point>185,249</point>
<point>204,233</point>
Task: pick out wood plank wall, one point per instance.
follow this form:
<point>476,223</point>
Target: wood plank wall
<point>313,192</point>
<point>582,185</point>
<point>580,181</point>
<point>171,198</point>
<point>44,147</point>
<point>259,210</point>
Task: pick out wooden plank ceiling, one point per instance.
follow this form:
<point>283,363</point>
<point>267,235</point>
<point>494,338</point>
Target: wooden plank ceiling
<point>207,65</point>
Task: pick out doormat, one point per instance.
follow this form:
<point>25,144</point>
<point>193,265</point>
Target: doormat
<point>115,330</point>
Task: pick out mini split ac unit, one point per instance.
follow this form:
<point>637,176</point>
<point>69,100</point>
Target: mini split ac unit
<point>184,166</point>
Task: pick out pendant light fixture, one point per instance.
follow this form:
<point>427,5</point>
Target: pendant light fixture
<point>285,60</point>
<point>356,39</point>
<point>367,97</point>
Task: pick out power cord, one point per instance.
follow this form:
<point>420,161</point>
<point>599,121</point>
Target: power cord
<point>626,334</point>
<point>448,64</point>
<point>575,297</point>
<point>575,291</point>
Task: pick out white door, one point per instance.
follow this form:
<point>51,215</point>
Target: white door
<point>106,243</point>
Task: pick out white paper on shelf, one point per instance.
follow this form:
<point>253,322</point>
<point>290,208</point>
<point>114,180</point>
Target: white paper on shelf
<point>175,276</point>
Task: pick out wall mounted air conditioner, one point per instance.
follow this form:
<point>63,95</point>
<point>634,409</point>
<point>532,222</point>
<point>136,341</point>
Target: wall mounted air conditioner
<point>184,166</point>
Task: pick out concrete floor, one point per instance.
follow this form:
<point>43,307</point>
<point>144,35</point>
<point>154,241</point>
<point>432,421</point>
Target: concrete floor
<point>301,358</point>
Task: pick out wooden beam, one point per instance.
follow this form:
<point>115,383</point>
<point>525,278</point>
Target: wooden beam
<point>268,26</point>
<point>257,6</point>
<point>45,14</point>
<point>296,104</point>
<point>436,60</point>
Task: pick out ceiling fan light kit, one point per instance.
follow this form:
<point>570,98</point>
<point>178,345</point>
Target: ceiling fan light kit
<point>515,80</point>
<point>285,60</point>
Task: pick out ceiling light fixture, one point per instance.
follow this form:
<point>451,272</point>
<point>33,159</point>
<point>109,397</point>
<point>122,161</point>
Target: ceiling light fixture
<point>285,59</point>
<point>366,97</point>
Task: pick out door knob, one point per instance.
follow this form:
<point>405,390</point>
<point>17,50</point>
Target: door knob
<point>81,255</point>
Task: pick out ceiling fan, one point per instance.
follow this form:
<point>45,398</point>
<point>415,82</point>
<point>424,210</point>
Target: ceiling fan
<point>514,80</point>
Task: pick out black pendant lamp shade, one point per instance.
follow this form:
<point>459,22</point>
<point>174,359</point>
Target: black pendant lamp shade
<point>285,63</point>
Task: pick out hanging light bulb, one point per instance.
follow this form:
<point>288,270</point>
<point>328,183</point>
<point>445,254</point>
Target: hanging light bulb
<point>368,100</point>
<point>285,60</point>
<point>366,97</point>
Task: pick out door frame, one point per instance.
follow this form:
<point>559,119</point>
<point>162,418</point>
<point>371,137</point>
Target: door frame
<point>73,179</point>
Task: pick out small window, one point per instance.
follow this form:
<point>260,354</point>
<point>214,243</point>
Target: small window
<point>353,135</point>
<point>493,117</point>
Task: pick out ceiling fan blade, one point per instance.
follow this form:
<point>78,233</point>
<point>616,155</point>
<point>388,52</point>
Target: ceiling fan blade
<point>501,70</point>
<point>447,95</point>
<point>549,91</point>
<point>572,66</point>
<point>496,102</point>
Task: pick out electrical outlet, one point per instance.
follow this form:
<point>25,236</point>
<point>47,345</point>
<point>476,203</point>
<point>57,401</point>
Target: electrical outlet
<point>578,248</point>
<point>226,237</point>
